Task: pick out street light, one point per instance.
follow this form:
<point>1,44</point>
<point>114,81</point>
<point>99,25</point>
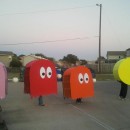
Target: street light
<point>99,60</point>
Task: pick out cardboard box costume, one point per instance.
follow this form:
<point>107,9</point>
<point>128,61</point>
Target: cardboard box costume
<point>3,81</point>
<point>40,78</point>
<point>78,83</point>
<point>121,71</point>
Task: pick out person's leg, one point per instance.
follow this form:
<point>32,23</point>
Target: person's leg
<point>40,99</point>
<point>80,100</point>
<point>77,100</point>
<point>121,91</point>
<point>125,87</point>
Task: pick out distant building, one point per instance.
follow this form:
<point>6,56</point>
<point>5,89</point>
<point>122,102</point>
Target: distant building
<point>128,52</point>
<point>26,59</point>
<point>6,57</point>
<point>91,62</point>
<point>114,56</point>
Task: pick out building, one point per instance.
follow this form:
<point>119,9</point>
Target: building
<point>26,59</point>
<point>114,56</point>
<point>6,57</point>
<point>128,52</point>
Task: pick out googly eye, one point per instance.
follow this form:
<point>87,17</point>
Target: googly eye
<point>49,72</point>
<point>80,77</point>
<point>86,78</point>
<point>42,72</point>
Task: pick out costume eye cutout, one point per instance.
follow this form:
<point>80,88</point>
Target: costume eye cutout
<point>86,78</point>
<point>49,72</point>
<point>42,72</point>
<point>80,77</point>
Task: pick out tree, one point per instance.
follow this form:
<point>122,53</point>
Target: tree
<point>70,58</point>
<point>15,62</point>
<point>83,62</point>
<point>101,59</point>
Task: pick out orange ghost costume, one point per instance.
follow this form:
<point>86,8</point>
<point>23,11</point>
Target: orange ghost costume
<point>78,83</point>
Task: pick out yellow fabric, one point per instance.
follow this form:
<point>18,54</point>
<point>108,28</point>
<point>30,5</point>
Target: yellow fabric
<point>121,70</point>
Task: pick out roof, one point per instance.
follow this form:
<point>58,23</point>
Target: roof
<point>6,53</point>
<point>128,49</point>
<point>36,57</point>
<point>116,53</point>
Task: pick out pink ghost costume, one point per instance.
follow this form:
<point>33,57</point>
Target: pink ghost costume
<point>3,81</point>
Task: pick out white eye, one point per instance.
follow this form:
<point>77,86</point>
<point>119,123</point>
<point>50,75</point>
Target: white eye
<point>49,72</point>
<point>86,78</point>
<point>42,72</point>
<point>80,77</point>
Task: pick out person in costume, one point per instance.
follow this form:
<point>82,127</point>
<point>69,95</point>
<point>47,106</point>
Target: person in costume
<point>78,83</point>
<point>40,79</point>
<point>121,72</point>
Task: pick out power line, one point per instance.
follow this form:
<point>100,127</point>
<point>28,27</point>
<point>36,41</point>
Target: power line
<point>48,41</point>
<point>46,11</point>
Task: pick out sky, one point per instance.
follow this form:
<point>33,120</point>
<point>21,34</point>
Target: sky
<point>56,28</point>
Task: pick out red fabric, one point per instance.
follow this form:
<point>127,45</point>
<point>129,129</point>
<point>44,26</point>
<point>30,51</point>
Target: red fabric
<point>40,78</point>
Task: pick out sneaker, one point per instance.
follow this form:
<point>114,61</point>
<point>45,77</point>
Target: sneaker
<point>123,99</point>
<point>120,98</point>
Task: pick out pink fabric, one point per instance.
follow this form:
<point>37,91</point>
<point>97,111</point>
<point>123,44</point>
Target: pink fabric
<point>3,81</point>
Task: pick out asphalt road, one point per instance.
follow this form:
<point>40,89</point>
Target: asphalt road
<point>104,111</point>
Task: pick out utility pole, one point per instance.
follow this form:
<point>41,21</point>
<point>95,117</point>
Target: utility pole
<point>99,60</point>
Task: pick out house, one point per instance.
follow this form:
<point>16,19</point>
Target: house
<point>114,56</point>
<point>26,59</point>
<point>6,57</point>
<point>128,52</point>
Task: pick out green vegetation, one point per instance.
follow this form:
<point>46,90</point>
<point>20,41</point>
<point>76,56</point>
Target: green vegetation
<point>100,77</point>
<point>15,62</point>
<point>70,58</point>
<point>11,75</point>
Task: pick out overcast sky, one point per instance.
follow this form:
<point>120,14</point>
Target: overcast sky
<point>56,28</point>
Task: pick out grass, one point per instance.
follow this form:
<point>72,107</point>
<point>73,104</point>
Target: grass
<point>11,75</point>
<point>103,77</point>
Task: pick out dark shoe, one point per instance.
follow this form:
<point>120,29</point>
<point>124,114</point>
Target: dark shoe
<point>43,105</point>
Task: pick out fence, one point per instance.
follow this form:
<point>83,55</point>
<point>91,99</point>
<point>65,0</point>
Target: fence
<point>106,68</point>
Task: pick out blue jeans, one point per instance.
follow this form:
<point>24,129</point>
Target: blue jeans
<point>40,99</point>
